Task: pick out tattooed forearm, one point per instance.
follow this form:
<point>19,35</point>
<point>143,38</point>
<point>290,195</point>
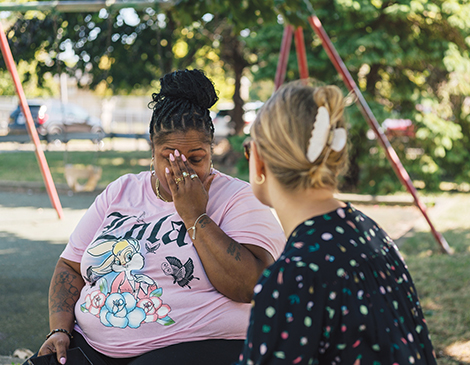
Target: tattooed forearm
<point>63,293</point>
<point>234,250</point>
<point>204,221</point>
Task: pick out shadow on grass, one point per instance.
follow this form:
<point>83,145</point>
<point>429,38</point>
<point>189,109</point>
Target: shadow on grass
<point>23,166</point>
<point>41,200</point>
<point>443,285</point>
<point>25,273</point>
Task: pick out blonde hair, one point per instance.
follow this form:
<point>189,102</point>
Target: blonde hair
<point>283,128</point>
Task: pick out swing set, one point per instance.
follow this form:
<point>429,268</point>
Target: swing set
<point>289,33</point>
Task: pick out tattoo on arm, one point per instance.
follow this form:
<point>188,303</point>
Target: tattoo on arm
<point>204,221</point>
<point>234,250</point>
<point>64,293</point>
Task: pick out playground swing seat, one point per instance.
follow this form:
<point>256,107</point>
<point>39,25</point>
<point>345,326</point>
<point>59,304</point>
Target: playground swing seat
<point>80,177</point>
<point>76,173</point>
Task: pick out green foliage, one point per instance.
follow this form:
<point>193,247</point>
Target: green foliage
<point>122,52</point>
<point>6,85</point>
<point>242,167</point>
<point>410,61</point>
<point>127,50</point>
<point>239,14</point>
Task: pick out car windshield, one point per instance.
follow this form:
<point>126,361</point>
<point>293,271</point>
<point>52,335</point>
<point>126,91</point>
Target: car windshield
<point>20,117</point>
<point>77,111</point>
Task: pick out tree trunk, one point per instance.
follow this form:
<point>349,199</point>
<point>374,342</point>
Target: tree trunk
<point>233,56</point>
<point>238,102</point>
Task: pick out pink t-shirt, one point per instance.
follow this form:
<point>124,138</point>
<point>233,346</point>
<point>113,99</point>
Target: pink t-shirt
<point>145,286</point>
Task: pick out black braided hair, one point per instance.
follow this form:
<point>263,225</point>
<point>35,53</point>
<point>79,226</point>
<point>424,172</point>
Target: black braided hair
<point>183,103</point>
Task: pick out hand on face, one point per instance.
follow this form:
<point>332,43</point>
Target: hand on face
<point>190,194</point>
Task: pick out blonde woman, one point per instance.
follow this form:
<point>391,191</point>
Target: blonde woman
<point>340,293</point>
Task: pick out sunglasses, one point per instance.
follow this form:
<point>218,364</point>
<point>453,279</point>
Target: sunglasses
<point>247,149</point>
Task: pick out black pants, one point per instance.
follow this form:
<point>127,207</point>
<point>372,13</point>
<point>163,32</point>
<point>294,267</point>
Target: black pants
<point>208,352</point>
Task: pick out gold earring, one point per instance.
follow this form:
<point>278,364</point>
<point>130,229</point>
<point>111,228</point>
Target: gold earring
<point>261,180</point>
<point>151,167</point>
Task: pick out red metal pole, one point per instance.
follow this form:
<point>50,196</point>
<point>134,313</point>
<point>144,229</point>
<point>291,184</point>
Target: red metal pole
<point>301,52</point>
<point>364,107</point>
<point>283,56</point>
<point>46,174</point>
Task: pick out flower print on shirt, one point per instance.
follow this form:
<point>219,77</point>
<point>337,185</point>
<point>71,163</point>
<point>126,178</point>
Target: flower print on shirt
<point>131,298</point>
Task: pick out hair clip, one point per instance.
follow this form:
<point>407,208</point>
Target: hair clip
<point>339,139</point>
<point>322,136</point>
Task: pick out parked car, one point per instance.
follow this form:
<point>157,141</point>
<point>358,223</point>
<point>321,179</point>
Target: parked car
<point>55,120</point>
<point>398,128</point>
<point>222,120</point>
<point>251,109</point>
<point>223,123</point>
<point>403,129</point>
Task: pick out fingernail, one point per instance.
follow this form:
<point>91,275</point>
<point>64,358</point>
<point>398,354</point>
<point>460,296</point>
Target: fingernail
<point>183,157</point>
<point>62,360</point>
<point>167,170</point>
<point>177,153</point>
<point>172,158</point>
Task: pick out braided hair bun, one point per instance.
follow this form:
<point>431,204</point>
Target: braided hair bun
<point>183,103</point>
<point>191,85</point>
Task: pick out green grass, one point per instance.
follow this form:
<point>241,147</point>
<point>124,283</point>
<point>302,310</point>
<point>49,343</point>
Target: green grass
<point>442,281</point>
<point>23,166</point>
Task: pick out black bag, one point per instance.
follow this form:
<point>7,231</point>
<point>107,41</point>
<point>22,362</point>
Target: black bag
<point>75,356</point>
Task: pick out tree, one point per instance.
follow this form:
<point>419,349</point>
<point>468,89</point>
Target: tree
<point>411,61</point>
<point>124,50</point>
<point>409,58</point>
<point>127,50</point>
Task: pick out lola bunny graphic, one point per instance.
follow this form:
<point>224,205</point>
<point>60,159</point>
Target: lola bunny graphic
<point>123,257</point>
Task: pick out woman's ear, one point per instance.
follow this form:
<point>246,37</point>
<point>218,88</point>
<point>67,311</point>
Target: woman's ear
<point>260,167</point>
<point>259,178</point>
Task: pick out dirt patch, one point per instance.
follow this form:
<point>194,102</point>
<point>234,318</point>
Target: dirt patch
<point>459,350</point>
<point>396,220</point>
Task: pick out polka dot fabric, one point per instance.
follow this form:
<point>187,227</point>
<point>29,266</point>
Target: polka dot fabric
<point>339,294</point>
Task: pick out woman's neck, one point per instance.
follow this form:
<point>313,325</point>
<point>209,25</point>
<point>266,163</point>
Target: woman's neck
<point>161,193</point>
<point>295,207</point>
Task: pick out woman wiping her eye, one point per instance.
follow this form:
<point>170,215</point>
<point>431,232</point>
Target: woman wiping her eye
<point>161,268</point>
<point>340,293</point>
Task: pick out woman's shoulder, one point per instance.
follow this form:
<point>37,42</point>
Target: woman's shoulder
<point>126,182</point>
<point>229,184</point>
<point>125,179</point>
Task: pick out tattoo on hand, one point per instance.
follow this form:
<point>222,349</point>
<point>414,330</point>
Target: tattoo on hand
<point>234,250</point>
<point>63,293</point>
